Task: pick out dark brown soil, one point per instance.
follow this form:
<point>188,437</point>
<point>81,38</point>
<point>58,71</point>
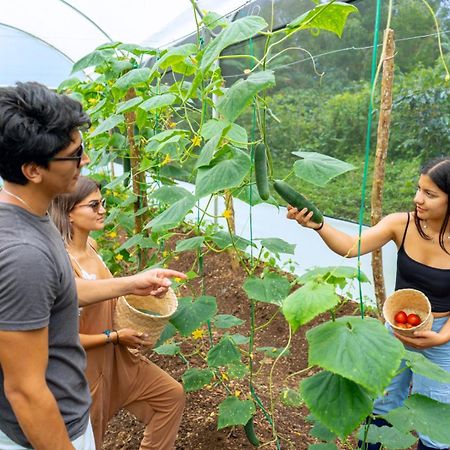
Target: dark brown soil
<point>199,425</point>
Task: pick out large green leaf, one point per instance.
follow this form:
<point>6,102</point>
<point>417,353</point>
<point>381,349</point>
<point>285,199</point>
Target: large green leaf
<point>237,370</point>
<point>424,415</point>
<point>233,411</point>
<point>191,314</point>
<point>168,332</point>
<point>170,349</point>
<point>207,152</point>
<point>238,31</point>
<point>332,273</point>
<point>173,215</point>
<point>320,431</point>
<point>227,321</point>
<point>319,169</point>
<point>138,240</point>
<point>338,403</point>
<point>423,366</point>
<point>193,243</point>
<point>96,107</point>
<point>277,246</point>
<point>329,16</point>
<point>195,379</point>
<point>94,58</point>
<point>108,124</point>
<point>237,135</point>
<point>158,101</point>
<point>361,350</point>
<point>133,78</point>
<point>273,288</point>
<point>232,131</point>
<point>308,302</point>
<point>213,127</point>
<point>390,437</point>
<point>226,172</point>
<point>176,54</point>
<point>223,239</point>
<point>128,105</point>
<point>224,353</point>
<point>170,194</point>
<point>239,339</point>
<point>241,93</point>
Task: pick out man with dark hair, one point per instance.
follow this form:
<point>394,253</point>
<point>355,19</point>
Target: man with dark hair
<point>44,397</point>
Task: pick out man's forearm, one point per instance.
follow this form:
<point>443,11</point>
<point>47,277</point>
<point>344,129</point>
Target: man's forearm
<point>94,291</point>
<point>40,419</point>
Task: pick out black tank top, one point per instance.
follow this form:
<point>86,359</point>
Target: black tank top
<point>433,282</point>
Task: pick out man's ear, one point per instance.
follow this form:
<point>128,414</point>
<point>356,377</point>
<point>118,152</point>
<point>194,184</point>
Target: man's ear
<point>32,172</point>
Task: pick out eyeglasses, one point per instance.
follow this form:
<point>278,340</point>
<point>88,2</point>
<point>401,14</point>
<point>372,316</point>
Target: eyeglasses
<point>95,205</point>
<point>77,156</point>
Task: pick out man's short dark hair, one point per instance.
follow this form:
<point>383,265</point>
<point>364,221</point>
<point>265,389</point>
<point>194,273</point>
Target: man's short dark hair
<point>35,124</point>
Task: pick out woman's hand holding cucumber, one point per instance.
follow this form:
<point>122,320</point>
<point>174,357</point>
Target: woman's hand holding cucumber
<point>303,217</point>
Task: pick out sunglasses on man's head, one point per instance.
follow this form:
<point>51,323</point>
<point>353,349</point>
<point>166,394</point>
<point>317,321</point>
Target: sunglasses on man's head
<point>77,156</point>
<point>95,205</point>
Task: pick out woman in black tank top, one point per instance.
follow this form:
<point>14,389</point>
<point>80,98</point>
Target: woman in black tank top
<point>423,241</point>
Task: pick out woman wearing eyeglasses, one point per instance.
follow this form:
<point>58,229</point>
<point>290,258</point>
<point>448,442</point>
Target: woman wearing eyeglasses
<point>118,378</point>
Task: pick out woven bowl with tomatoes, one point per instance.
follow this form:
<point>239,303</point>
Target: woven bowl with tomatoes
<point>407,311</point>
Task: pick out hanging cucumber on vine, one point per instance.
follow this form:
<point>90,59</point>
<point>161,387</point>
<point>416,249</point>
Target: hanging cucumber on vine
<point>262,181</point>
<point>249,429</point>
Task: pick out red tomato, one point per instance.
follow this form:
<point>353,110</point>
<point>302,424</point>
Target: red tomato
<point>401,317</point>
<point>414,320</point>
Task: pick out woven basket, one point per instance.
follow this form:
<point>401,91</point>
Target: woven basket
<point>412,302</point>
<point>152,322</point>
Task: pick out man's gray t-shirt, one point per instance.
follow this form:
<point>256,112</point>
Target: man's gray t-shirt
<point>37,290</point>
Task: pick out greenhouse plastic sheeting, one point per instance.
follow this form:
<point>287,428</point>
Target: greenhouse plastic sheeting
<point>40,39</point>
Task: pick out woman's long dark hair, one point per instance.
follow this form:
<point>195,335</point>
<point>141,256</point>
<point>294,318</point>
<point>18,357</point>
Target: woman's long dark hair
<point>439,171</point>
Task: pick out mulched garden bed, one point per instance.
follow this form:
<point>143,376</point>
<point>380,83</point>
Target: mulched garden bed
<point>199,425</point>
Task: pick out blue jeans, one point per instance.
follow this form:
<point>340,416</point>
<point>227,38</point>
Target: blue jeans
<point>398,390</point>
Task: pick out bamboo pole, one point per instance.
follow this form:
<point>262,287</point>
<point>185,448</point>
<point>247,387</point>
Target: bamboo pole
<point>380,160</point>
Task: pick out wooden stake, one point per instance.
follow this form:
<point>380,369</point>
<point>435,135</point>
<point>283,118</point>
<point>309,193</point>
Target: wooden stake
<point>380,160</point>
<point>137,176</point>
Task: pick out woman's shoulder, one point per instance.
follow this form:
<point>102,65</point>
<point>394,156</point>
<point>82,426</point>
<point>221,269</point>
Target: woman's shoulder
<point>398,218</point>
<point>396,224</point>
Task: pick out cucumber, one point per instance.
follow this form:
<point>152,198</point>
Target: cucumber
<point>297,200</point>
<point>262,183</point>
<point>249,429</point>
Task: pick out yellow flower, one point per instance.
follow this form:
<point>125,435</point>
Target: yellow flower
<point>198,333</point>
<point>227,213</point>
<point>118,257</point>
<point>237,393</point>
<point>196,140</point>
<point>167,160</point>
<point>172,124</point>
<point>178,279</point>
<point>165,253</point>
<point>224,376</point>
<point>112,234</point>
<point>92,101</point>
